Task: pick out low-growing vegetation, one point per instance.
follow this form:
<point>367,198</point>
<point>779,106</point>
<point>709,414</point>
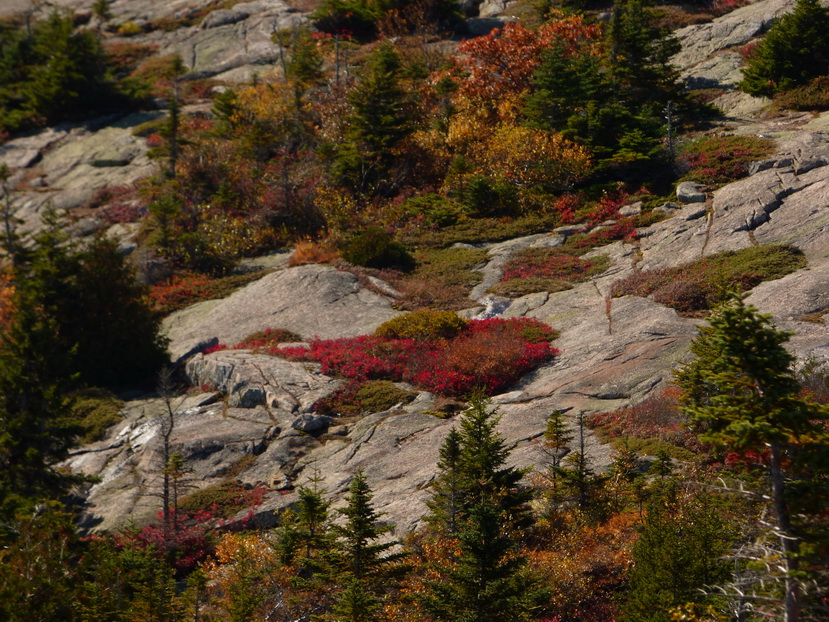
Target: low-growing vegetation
<point>811,96</point>
<point>183,290</point>
<point>701,284</point>
<point>546,270</point>
<point>654,425</point>
<point>718,160</point>
<point>425,325</point>
<point>489,355</point>
<point>360,398</point>
<point>95,411</point>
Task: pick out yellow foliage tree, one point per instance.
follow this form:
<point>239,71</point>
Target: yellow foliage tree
<point>531,158</point>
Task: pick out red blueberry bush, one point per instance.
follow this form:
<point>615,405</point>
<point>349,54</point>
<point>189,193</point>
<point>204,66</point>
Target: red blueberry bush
<point>489,354</point>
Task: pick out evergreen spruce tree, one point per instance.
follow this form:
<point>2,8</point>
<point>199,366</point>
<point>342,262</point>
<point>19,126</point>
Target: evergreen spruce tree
<point>380,119</point>
<point>304,67</point>
<point>557,437</point>
<point>489,580</point>
<point>445,502</point>
<point>364,563</point>
<point>578,476</point>
<point>795,50</point>
<point>305,534</point>
<point>743,394</point>
<point>564,84</point>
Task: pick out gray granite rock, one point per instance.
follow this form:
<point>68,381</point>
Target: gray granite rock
<point>690,192</point>
<point>313,301</point>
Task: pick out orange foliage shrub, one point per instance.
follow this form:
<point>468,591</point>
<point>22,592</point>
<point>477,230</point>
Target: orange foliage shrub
<point>308,252</point>
<point>585,567</point>
<point>503,61</point>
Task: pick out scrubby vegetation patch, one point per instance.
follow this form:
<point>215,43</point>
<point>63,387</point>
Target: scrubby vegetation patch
<point>718,160</point>
<point>701,284</point>
<point>550,270</point>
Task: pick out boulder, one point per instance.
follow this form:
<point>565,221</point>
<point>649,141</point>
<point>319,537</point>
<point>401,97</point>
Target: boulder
<point>311,423</point>
<point>252,380</point>
<point>690,192</point>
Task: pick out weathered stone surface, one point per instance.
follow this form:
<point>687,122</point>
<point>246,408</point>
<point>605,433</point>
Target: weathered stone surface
<point>690,192</point>
<point>313,301</point>
<point>722,70</point>
<point>128,463</point>
<point>700,41</point>
<point>252,380</point>
<point>71,162</point>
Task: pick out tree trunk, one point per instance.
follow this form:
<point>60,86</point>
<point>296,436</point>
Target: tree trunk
<point>789,542</point>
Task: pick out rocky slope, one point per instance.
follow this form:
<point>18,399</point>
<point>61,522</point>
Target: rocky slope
<point>615,352</point>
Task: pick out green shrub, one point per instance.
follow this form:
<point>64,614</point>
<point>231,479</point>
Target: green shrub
<point>795,50</point>
<point>424,325</point>
<point>701,284</point>
<point>375,248</point>
<point>129,29</point>
<point>435,209</point>
<point>95,411</point>
<point>485,197</point>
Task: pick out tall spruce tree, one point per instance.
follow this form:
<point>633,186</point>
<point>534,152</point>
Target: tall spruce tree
<point>681,550</point>
<point>489,580</point>
<point>742,393</point>
<point>364,562</point>
<point>380,119</point>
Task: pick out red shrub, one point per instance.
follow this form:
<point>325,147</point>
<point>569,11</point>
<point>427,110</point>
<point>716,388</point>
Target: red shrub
<point>555,266</point>
<point>178,292</point>
<point>491,354</point>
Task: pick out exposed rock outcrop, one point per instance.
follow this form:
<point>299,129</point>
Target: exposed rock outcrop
<point>313,301</point>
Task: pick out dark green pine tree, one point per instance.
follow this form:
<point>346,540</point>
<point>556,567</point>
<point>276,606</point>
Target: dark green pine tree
<point>564,85</point>
<point>742,394</point>
<point>489,580</point>
<point>363,563</point>
<point>445,502</point>
<point>795,50</point>
<point>380,119</point>
<point>35,376</point>
<point>304,67</point>
<point>108,321</point>
<point>680,552</point>
<point>578,477</point>
<point>305,533</point>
